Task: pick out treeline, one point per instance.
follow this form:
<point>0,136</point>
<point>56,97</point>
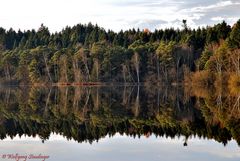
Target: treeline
<point>88,53</point>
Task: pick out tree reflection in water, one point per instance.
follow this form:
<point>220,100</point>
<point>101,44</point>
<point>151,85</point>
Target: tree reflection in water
<point>91,113</point>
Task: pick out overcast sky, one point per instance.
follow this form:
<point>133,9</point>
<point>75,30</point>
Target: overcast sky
<point>116,14</point>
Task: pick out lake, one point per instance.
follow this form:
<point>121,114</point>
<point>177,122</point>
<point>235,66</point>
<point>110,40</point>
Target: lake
<point>119,123</point>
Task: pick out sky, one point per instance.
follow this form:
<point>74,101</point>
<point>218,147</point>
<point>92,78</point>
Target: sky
<point>116,14</point>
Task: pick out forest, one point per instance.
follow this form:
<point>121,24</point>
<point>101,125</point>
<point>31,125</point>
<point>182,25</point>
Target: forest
<point>90,54</point>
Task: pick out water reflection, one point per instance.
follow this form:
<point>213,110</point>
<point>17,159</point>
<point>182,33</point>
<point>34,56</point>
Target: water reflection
<point>91,113</point>
<point>122,147</point>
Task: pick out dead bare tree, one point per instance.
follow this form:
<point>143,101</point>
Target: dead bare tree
<point>56,72</point>
<point>136,62</point>
<point>178,64</point>
<point>164,70</point>
<point>64,75</point>
<point>85,62</point>
<point>97,66</point>
<point>158,67</point>
<point>78,76</point>
<point>124,71</point>
<point>47,67</point>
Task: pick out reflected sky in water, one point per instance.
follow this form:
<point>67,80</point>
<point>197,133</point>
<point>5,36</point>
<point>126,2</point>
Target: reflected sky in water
<point>123,148</point>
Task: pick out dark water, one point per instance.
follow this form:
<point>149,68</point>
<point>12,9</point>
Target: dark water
<point>119,123</point>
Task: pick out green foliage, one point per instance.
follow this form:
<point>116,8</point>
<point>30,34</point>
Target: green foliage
<point>234,38</point>
<point>219,60</point>
<point>206,54</point>
<point>164,53</point>
<point>34,72</point>
<point>90,53</point>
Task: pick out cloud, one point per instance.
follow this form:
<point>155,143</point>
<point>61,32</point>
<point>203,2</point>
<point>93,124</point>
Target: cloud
<point>201,14</point>
<point>217,18</point>
<point>145,3</point>
<point>229,19</point>
<point>212,7</point>
<point>169,13</point>
<point>151,24</point>
<point>115,14</point>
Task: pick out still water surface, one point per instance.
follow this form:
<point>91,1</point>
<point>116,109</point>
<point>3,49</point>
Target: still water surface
<point>119,123</point>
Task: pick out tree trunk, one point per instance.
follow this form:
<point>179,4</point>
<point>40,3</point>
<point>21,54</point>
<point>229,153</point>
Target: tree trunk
<point>124,69</point>
<point>158,70</point>
<point>136,64</point>
<point>47,68</point>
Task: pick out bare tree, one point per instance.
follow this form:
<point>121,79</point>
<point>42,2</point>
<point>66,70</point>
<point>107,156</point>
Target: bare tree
<point>178,64</point>
<point>84,59</point>
<point>136,62</point>
<point>64,75</point>
<point>47,68</point>
<point>124,72</point>
<point>158,68</point>
<point>97,67</point>
<point>78,75</point>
